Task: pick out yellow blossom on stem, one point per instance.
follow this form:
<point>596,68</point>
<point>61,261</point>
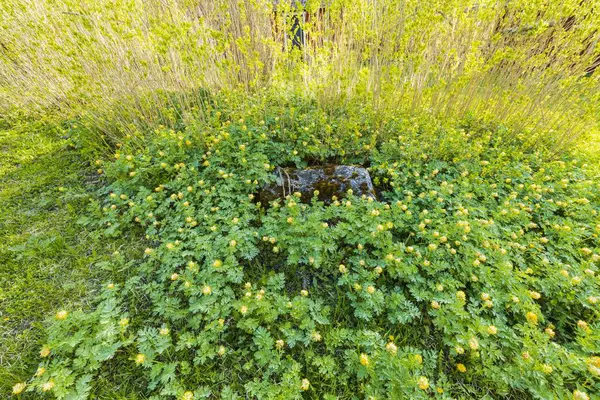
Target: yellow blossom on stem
<point>62,315</point>
<point>391,348</point>
<point>473,343</point>
<point>579,395</point>
<point>18,388</point>
<point>532,317</point>
<point>423,383</point>
<point>364,359</point>
<point>546,368</point>
<point>45,352</point>
<point>305,384</point>
<point>48,386</point>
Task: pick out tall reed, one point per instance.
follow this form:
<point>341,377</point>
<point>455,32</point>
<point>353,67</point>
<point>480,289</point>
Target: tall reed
<point>527,64</point>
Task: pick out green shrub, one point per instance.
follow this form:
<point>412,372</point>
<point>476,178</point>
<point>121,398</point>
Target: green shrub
<point>472,274</point>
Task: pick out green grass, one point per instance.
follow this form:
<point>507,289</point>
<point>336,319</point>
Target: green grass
<point>46,259</point>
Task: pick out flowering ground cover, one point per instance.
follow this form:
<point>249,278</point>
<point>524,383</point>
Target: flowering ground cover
<point>472,275</point>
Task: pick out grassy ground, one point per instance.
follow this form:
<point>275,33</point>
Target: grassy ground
<point>46,259</point>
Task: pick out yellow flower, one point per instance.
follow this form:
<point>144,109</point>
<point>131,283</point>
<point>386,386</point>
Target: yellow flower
<point>305,385</point>
<point>46,387</point>
<point>45,352</point>
<point>531,317</point>
<point>19,387</point>
<point>459,350</point>
<point>370,289</point>
<point>535,295</point>
<point>579,395</point>
<point>206,290</point>
<point>391,348</point>
<point>140,358</point>
<point>124,322</point>
<point>418,358</point>
<point>435,305</point>
<point>423,383</point>
<point>217,263</point>
<point>364,359</point>
<point>233,243</point>
<point>188,396</point>
<point>583,325</point>
<point>148,250</point>
<point>174,276</point>
<point>62,315</point>
<point>164,331</point>
<point>485,296</point>
<point>243,310</point>
<point>279,344</point>
<point>461,368</point>
<point>304,292</point>
<point>221,351</point>
<point>546,368</point>
<point>342,269</point>
<point>473,343</point>
<point>461,295</point>
<point>492,330</point>
<point>40,371</point>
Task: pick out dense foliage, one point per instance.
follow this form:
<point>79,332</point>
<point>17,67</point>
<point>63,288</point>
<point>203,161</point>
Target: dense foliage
<point>474,272</point>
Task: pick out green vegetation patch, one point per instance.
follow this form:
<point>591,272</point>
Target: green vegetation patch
<point>474,273</point>
<point>46,258</point>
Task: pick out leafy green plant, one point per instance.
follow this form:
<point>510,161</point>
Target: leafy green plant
<point>474,272</point>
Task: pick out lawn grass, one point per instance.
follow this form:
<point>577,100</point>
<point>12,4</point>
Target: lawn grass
<point>46,259</point>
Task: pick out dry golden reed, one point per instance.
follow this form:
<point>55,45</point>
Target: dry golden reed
<point>527,64</point>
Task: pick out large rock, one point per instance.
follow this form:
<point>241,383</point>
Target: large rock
<point>329,180</point>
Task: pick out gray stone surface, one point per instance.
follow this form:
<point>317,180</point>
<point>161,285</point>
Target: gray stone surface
<point>329,180</point>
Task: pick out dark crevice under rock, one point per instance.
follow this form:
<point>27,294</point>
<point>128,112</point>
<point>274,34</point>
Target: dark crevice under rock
<point>329,180</point>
